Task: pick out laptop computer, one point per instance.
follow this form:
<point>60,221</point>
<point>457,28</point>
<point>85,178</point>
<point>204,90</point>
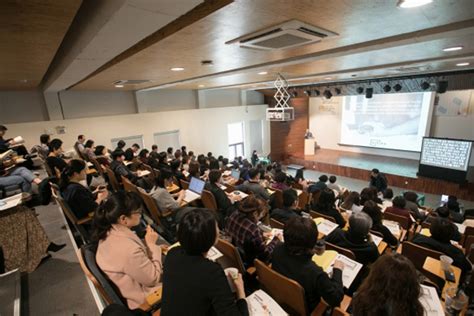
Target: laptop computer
<point>235,174</point>
<point>444,199</point>
<point>194,191</point>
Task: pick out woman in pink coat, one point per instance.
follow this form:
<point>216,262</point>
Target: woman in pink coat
<point>134,266</point>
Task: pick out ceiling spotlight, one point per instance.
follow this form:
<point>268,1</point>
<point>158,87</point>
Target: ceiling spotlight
<point>442,86</point>
<point>177,69</point>
<point>316,92</point>
<point>327,94</point>
<point>369,92</point>
<point>201,86</point>
<point>294,93</point>
<point>338,91</point>
<point>327,78</point>
<point>307,92</point>
<point>119,86</point>
<point>425,85</point>
<point>263,73</point>
<point>397,87</point>
<point>452,49</point>
<point>412,3</point>
<point>360,90</point>
<point>462,64</point>
<point>387,88</point>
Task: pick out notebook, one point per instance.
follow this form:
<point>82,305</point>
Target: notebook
<point>10,202</point>
<point>430,301</point>
<point>351,267</point>
<point>325,226</point>
<point>194,191</point>
<point>260,303</point>
<point>376,239</point>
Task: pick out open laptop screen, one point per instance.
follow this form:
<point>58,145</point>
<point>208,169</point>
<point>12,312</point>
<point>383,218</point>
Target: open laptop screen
<point>196,185</point>
<point>235,174</point>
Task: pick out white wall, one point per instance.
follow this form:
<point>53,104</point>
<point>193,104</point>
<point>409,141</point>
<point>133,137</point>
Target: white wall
<point>166,100</point>
<point>22,106</point>
<point>326,127</point>
<point>78,104</point>
<point>218,98</point>
<point>201,130</point>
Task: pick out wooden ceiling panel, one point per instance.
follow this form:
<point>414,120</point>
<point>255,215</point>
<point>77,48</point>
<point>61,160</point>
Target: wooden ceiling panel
<point>356,22</point>
<point>31,32</point>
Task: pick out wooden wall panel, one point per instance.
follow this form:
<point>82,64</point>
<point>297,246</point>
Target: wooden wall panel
<point>287,138</point>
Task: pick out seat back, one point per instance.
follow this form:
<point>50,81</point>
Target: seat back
<point>276,224</point>
<point>112,179</point>
<point>128,185</point>
<point>231,253</point>
<point>49,171</point>
<point>343,251</point>
<point>208,200</point>
<point>315,214</point>
<point>151,206</point>
<point>303,200</point>
<point>286,292</point>
<point>403,221</point>
<point>86,255</point>
<point>97,166</point>
<point>339,312</point>
<point>277,198</point>
<point>417,254</point>
<point>184,184</point>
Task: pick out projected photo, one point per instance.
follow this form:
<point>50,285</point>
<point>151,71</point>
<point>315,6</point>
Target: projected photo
<point>392,121</point>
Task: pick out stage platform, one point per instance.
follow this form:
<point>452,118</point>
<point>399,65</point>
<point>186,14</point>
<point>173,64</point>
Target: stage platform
<point>399,172</point>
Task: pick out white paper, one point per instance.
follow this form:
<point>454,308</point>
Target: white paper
<point>350,271</point>
<point>142,173</point>
<point>326,227</point>
<point>223,187</point>
<point>213,254</point>
<point>376,239</point>
<point>261,304</point>
<point>10,202</point>
<point>461,227</point>
<point>227,173</point>
<point>274,232</point>
<point>392,227</point>
<point>89,164</point>
<point>18,140</point>
<point>430,301</point>
<point>6,154</point>
<point>298,192</point>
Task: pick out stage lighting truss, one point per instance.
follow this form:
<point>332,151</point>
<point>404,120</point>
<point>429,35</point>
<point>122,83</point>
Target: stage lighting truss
<point>282,111</point>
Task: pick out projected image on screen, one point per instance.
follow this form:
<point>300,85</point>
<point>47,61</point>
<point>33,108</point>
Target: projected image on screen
<point>391,121</point>
<point>446,153</point>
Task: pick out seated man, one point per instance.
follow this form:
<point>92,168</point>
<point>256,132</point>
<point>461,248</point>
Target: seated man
<point>443,212</point>
<point>79,145</point>
<point>357,238</point>
<point>253,185</point>
<point>442,232</point>
<point>54,160</point>
<point>293,259</point>
<point>320,185</point>
<point>119,168</point>
<point>225,202</point>
<point>290,204</point>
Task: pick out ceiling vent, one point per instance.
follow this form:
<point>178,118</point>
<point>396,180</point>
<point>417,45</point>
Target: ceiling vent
<point>130,82</point>
<point>410,69</point>
<point>286,35</point>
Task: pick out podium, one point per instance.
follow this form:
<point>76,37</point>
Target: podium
<point>309,146</point>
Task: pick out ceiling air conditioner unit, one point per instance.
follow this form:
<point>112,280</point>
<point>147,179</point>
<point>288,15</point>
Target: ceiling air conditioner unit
<point>286,35</point>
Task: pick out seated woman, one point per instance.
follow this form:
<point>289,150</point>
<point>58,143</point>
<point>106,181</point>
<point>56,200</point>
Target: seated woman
<point>442,232</point>
<point>242,226</point>
<point>327,205</point>
<point>89,149</point>
<point>163,198</point>
<point>280,182</point>
<point>352,202</point>
<point>369,194</point>
<point>398,208</point>
<point>373,210</point>
<point>357,238</point>
<point>143,156</point>
<point>225,202</point>
<point>193,171</point>
<point>74,191</point>
<point>102,155</point>
<point>54,160</point>
<point>443,212</point>
<point>133,266</point>
<point>293,259</point>
<point>192,284</point>
<point>391,288</point>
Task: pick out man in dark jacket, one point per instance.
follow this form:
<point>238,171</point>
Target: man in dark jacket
<point>378,180</point>
<point>289,210</point>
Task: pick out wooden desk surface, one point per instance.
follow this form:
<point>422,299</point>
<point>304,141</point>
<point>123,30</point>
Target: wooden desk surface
<point>173,188</point>
<point>91,171</point>
<point>434,266</point>
<point>382,246</point>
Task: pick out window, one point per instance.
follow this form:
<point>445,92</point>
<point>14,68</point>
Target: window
<point>235,138</point>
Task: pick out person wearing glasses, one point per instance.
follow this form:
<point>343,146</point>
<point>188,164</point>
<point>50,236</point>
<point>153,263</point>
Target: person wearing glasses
<point>133,265</point>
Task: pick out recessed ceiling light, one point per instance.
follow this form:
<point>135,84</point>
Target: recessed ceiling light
<point>452,49</point>
<point>201,86</point>
<point>327,78</point>
<point>462,64</point>
<point>177,69</point>
<point>119,86</point>
<point>263,73</point>
<point>412,3</point>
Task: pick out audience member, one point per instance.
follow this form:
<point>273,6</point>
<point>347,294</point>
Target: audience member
<point>143,156</point>
<point>320,185</point>
<point>102,155</point>
<point>299,178</point>
<point>442,232</point>
<point>54,160</point>
<point>352,202</point>
<point>242,226</point>
<point>169,153</point>
<point>79,145</point>
<point>443,212</point>
<point>183,151</point>
<point>133,265</point>
<point>154,151</point>
<point>412,205</point>
<point>88,151</point>
<point>454,209</point>
<point>290,207</point>
<point>391,288</point>
<point>280,181</point>
<point>120,145</point>
<point>74,190</point>
<point>293,259</point>
<point>373,210</point>
<point>225,202</point>
<point>253,185</point>
<point>327,205</point>
<point>254,158</point>
<point>192,284</point>
<point>163,198</point>
<point>357,238</point>
<point>333,185</point>
<point>398,208</point>
<point>378,180</point>
<point>177,154</point>
<point>369,194</point>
